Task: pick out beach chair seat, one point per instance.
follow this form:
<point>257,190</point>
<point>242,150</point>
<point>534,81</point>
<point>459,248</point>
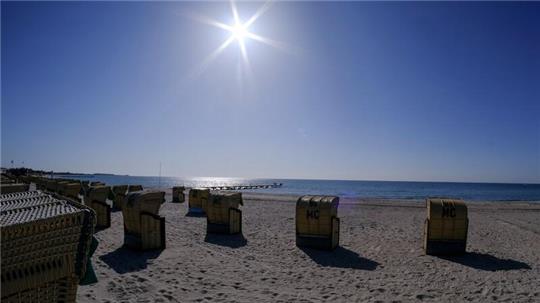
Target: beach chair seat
<point>198,198</point>
<point>13,188</point>
<point>96,198</point>
<point>223,214</point>
<point>178,194</point>
<point>446,227</point>
<point>317,223</point>
<point>44,246</point>
<point>144,229</point>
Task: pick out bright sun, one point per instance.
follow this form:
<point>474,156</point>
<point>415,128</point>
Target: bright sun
<point>239,32</point>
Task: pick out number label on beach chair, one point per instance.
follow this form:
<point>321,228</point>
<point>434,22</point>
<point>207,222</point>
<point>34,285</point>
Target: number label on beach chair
<point>448,210</point>
<point>312,214</point>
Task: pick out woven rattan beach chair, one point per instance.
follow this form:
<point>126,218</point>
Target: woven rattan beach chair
<point>223,214</point>
<point>144,229</point>
<point>317,222</point>
<point>198,198</point>
<point>178,194</point>
<point>96,198</point>
<point>44,247</point>
<point>119,192</point>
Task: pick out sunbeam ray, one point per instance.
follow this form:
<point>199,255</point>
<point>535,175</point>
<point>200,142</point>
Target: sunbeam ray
<point>207,20</point>
<point>274,43</point>
<point>235,12</point>
<point>259,13</point>
<point>245,56</point>
<point>212,57</point>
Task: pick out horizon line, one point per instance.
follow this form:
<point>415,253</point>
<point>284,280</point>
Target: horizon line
<point>291,178</point>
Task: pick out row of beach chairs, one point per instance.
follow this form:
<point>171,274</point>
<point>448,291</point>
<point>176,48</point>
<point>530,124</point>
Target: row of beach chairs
<point>318,224</point>
<point>317,221</point>
<point>61,216</point>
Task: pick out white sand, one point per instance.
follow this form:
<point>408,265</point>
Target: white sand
<point>380,258</point>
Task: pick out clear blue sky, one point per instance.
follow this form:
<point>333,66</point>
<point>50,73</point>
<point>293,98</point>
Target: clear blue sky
<point>377,91</point>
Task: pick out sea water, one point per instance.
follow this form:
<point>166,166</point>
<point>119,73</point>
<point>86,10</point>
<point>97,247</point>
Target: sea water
<point>342,188</point>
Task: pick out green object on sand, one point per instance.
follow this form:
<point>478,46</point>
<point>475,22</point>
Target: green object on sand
<point>90,275</point>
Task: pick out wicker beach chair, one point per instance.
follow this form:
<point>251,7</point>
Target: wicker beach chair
<point>119,195</point>
<point>70,189</point>
<point>178,194</point>
<point>317,223</point>
<point>446,227</point>
<point>144,229</point>
<point>198,197</point>
<point>40,183</point>
<point>96,198</point>
<point>50,185</point>
<point>222,213</point>
<point>44,247</point>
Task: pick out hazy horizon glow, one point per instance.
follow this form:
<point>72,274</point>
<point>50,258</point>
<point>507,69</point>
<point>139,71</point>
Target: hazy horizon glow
<point>409,91</point>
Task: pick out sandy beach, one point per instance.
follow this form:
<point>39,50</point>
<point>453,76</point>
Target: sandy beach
<point>380,258</point>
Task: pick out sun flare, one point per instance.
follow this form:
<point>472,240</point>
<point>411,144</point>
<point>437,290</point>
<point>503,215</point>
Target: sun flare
<point>239,32</point>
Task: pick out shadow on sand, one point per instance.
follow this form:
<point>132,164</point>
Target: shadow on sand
<point>486,262</point>
<point>232,241</point>
<point>124,260</point>
<point>340,257</point>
